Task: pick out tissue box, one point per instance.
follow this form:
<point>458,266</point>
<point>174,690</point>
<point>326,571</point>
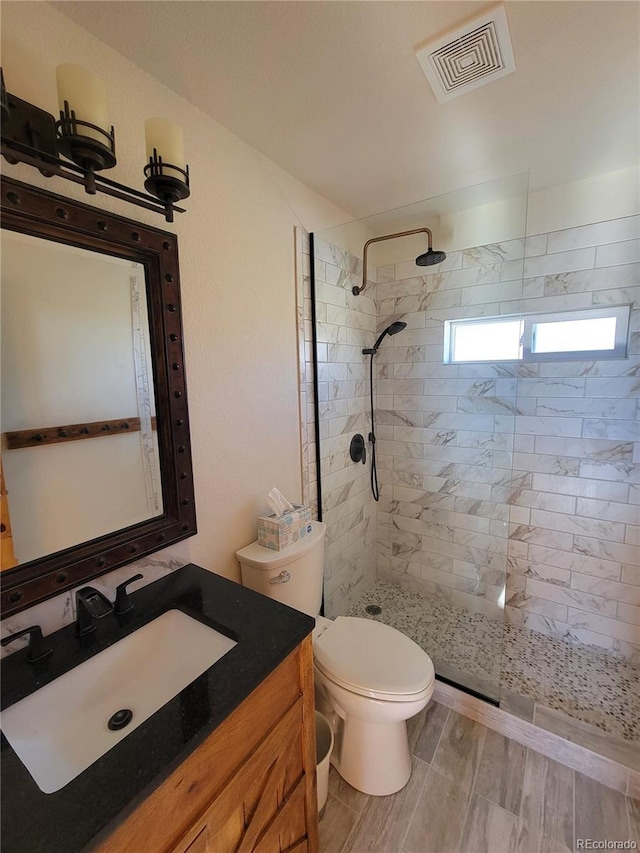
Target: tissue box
<point>278,532</point>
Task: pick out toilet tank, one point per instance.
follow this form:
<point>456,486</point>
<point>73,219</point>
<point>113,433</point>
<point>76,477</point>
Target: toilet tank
<point>292,576</point>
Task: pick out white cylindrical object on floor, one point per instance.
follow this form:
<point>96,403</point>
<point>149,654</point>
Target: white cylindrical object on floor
<point>324,748</point>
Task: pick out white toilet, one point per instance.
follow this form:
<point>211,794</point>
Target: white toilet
<point>370,678</point>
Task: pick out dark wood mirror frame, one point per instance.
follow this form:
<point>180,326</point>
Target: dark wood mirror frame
<point>33,211</point>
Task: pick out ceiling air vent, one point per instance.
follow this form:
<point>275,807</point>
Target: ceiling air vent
<point>467,58</point>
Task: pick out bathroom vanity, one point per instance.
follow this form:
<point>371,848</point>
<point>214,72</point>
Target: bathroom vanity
<point>228,764</point>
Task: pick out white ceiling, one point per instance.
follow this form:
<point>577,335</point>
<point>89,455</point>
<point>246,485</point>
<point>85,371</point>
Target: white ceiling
<point>332,91</point>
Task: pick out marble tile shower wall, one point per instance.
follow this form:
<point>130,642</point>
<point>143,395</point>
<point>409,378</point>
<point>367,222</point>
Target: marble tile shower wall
<point>445,432</point>
<point>345,325</point>
<point>574,555</point>
<point>532,467</point>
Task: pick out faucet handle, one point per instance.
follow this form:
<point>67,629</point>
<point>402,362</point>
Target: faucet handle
<point>36,650</point>
<point>123,602</point>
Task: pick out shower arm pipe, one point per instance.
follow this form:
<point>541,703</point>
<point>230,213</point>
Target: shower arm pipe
<point>357,290</point>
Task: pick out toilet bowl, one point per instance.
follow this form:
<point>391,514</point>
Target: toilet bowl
<point>370,678</point>
<point>374,679</point>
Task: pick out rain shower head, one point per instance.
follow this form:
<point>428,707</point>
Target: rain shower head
<point>428,259</point>
<point>393,329</point>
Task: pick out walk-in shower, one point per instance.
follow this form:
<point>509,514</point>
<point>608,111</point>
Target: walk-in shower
<point>493,542</point>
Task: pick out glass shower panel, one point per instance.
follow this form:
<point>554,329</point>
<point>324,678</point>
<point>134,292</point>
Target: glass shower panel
<point>344,325</point>
<point>572,642</point>
<point>433,551</point>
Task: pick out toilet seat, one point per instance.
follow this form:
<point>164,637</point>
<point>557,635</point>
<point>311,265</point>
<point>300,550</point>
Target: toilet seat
<point>372,659</point>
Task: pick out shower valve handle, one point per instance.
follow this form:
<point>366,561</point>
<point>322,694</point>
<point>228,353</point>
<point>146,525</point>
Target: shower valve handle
<point>357,450</point>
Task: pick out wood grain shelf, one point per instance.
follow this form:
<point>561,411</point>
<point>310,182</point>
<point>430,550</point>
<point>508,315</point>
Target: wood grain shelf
<point>19,439</point>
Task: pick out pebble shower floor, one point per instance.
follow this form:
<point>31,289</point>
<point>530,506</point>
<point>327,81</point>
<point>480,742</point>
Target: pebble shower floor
<point>487,656</point>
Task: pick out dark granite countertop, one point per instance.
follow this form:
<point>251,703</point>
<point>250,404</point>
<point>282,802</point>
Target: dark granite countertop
<point>81,813</point>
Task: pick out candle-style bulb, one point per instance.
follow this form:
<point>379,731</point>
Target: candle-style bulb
<point>84,133</point>
<point>166,171</point>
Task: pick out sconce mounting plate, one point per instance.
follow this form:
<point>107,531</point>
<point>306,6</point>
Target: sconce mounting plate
<point>28,129</point>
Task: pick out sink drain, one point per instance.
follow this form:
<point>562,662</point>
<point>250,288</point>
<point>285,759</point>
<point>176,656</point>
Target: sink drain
<point>373,610</point>
<point>120,719</point>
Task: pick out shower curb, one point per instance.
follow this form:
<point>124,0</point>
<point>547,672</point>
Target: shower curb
<point>608,772</point>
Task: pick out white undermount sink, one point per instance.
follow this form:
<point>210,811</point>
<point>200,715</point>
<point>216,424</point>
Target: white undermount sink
<point>61,729</point>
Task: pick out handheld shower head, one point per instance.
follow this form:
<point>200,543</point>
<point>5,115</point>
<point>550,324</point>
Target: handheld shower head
<point>393,329</point>
<point>430,258</point>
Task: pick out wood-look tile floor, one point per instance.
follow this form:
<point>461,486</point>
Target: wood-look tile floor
<point>475,791</point>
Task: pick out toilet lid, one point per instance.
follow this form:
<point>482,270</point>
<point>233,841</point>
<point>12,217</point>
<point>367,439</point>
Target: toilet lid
<point>372,658</point>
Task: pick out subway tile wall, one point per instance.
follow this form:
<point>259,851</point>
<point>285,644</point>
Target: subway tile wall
<point>574,555</point>
<point>528,474</point>
<point>345,325</point>
<point>446,432</point>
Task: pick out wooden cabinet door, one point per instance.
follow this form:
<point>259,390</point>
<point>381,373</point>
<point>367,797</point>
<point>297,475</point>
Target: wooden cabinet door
<point>263,807</point>
<point>200,843</point>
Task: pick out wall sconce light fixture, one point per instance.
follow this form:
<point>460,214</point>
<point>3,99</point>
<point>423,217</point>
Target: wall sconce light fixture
<point>84,136</point>
<point>166,173</point>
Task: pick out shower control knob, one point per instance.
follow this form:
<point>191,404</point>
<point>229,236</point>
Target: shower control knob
<point>357,449</point>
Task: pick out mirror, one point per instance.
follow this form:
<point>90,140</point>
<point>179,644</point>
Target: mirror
<point>72,313</point>
<point>95,440</point>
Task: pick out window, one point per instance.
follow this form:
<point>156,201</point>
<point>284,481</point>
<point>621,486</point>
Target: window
<point>592,333</point>
<point>494,339</point>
